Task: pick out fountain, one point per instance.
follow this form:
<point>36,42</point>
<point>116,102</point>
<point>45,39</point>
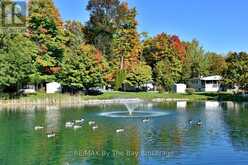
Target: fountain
<point>131,107</point>
<point>133,111</point>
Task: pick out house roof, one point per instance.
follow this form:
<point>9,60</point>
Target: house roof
<point>216,77</point>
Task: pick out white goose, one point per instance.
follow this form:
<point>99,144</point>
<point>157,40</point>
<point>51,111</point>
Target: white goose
<point>36,128</point>
<point>146,120</point>
<point>51,135</point>
<point>120,130</point>
<point>79,121</point>
<point>94,127</point>
<point>92,122</point>
<point>69,124</point>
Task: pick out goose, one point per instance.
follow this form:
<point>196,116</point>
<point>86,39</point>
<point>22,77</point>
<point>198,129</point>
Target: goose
<point>79,121</point>
<point>77,126</point>
<point>69,124</point>
<point>120,130</point>
<point>36,128</point>
<point>92,122</point>
<point>146,120</point>
<point>199,123</point>
<point>51,135</point>
<point>190,122</point>
<point>95,127</point>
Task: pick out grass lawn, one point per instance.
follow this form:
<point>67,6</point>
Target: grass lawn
<point>119,95</point>
<point>141,95</point>
<point>40,97</point>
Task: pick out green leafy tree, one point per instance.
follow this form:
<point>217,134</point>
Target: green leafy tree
<point>45,29</point>
<point>237,70</point>
<point>217,63</point>
<point>196,63</point>
<point>167,73</point>
<point>16,61</point>
<point>83,65</point>
<point>74,34</point>
<point>139,75</point>
<point>81,70</point>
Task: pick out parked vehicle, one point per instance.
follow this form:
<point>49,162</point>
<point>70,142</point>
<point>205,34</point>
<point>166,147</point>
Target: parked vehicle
<point>94,91</point>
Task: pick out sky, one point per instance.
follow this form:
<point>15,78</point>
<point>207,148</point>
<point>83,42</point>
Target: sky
<point>219,25</point>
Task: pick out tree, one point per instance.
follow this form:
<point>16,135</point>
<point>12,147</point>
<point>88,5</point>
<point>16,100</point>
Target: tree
<point>81,70</point>
<point>179,46</point>
<point>167,73</point>
<point>83,66</point>
<point>158,48</point>
<point>139,75</point>
<point>16,61</point>
<point>196,63</point>
<point>126,43</point>
<point>45,29</point>
<point>160,53</point>
<point>105,18</point>
<point>74,34</point>
<point>217,63</point>
<point>237,70</point>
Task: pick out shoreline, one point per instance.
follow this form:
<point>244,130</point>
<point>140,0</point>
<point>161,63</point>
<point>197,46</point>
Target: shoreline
<point>77,103</point>
<point>64,100</point>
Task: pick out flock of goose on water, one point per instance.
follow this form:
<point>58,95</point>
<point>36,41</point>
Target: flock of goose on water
<point>77,124</point>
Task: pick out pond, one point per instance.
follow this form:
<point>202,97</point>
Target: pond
<point>149,134</point>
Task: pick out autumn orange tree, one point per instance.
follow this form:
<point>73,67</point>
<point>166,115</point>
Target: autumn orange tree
<point>105,18</point>
<point>45,29</point>
<point>180,47</point>
<point>112,29</point>
<point>126,42</point>
<point>162,54</point>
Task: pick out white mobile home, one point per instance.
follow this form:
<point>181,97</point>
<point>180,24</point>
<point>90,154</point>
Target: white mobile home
<point>206,84</point>
<point>180,88</point>
<point>53,87</point>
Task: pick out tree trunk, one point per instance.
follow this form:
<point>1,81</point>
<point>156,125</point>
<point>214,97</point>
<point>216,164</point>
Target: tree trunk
<point>122,62</point>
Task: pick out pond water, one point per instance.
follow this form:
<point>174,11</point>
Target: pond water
<point>173,137</point>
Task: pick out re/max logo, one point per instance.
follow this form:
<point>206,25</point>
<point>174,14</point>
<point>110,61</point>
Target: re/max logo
<point>13,13</point>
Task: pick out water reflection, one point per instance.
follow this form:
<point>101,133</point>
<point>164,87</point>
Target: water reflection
<point>52,118</point>
<point>181,105</point>
<point>236,118</point>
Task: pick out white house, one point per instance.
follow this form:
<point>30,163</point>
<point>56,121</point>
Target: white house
<point>53,87</point>
<point>206,84</point>
<point>180,88</point>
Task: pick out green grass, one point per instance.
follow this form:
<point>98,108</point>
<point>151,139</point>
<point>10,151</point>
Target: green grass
<point>115,95</point>
<point>40,96</point>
